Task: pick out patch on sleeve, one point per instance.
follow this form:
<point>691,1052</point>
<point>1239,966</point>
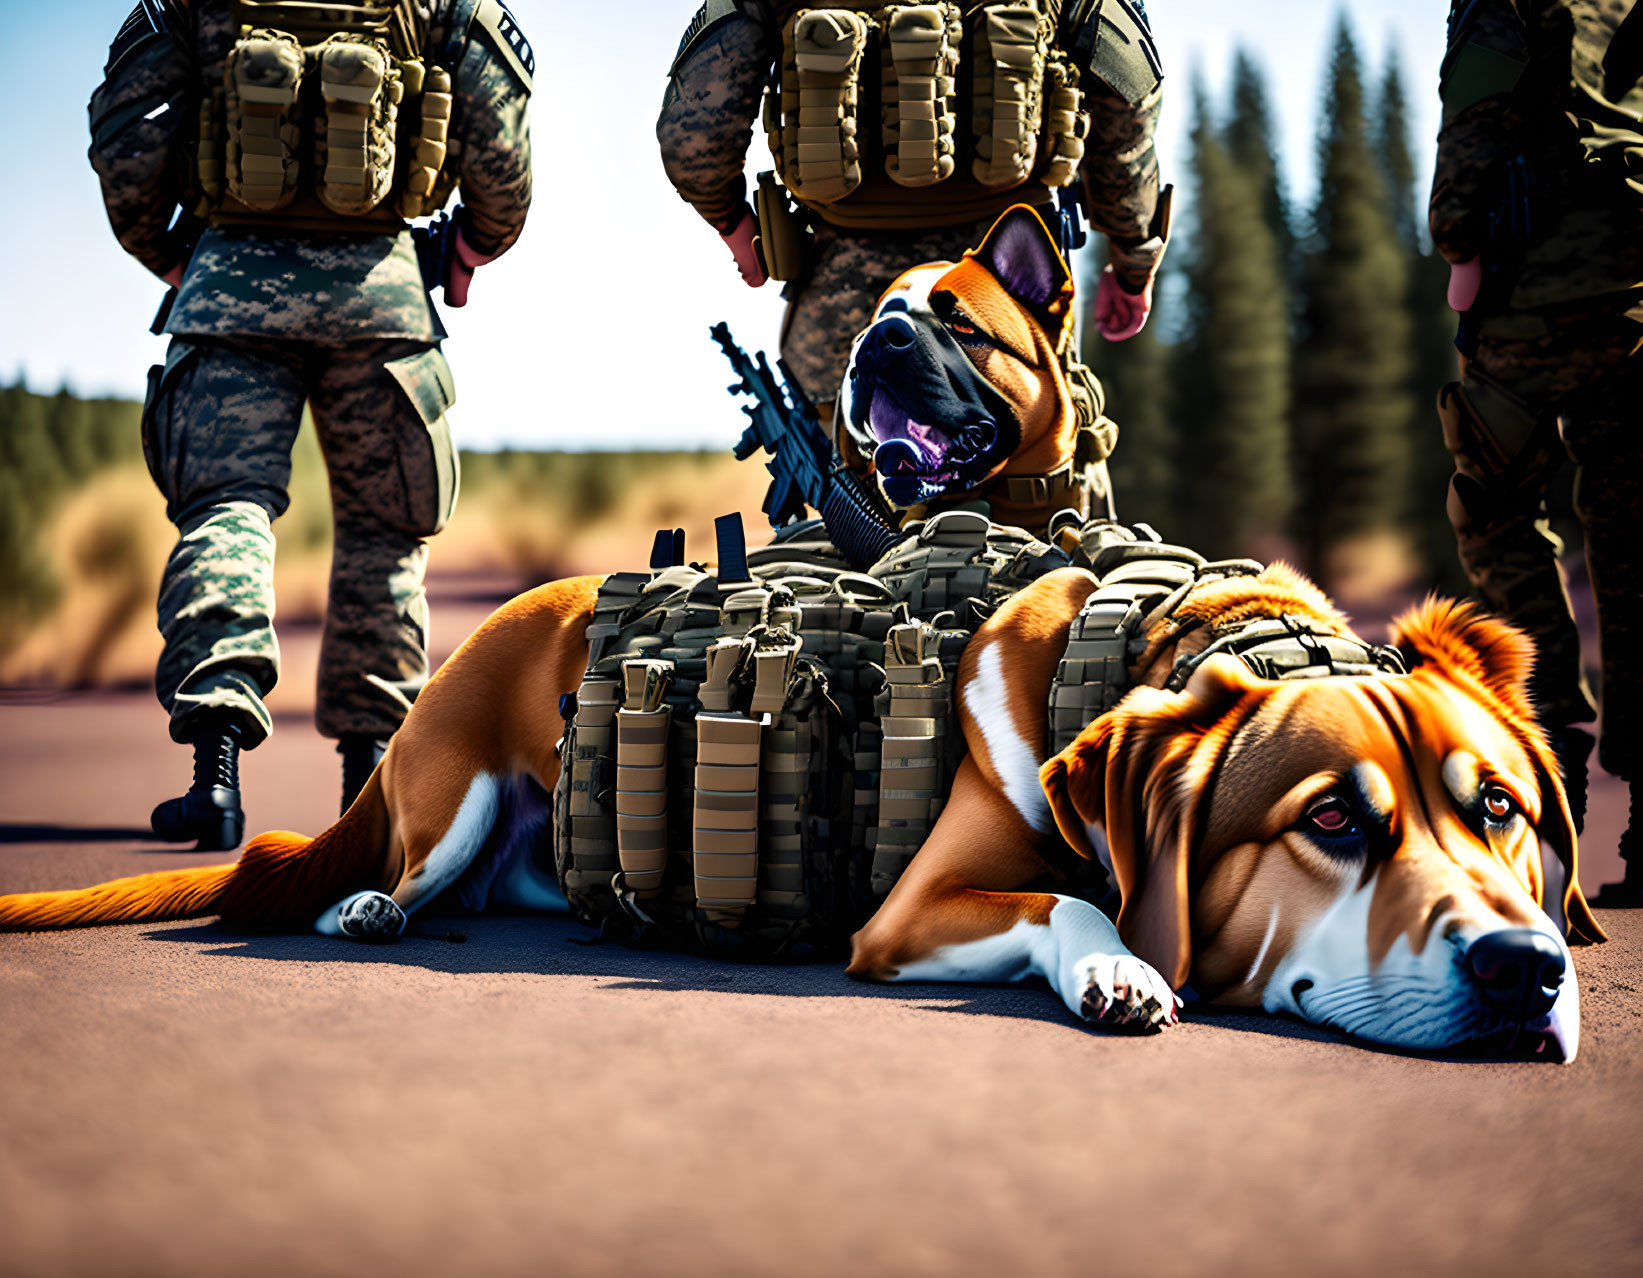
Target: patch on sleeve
<point>146,22</point>
<point>709,18</point>
<point>496,21</point>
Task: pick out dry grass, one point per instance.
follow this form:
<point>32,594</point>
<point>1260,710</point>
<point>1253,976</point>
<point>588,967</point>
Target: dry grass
<point>528,517</point>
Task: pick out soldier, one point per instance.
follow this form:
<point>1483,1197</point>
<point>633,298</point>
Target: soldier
<point>947,157</point>
<point>298,140</point>
<point>1537,203</point>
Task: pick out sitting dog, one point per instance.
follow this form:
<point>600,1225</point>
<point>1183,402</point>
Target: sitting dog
<point>963,387</point>
<point>1388,854</point>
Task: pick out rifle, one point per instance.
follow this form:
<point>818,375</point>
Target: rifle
<point>804,469</point>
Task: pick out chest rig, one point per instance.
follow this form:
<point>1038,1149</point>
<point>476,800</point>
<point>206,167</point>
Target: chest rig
<point>754,756</point>
<point>1143,583</point>
<point>327,117</point>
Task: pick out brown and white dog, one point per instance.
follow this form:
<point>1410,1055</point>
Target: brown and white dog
<point>1391,856</point>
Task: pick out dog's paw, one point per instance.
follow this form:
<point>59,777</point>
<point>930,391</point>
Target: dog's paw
<point>1122,992</point>
<point>371,916</point>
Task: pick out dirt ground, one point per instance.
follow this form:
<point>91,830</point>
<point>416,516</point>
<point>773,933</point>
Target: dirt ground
<point>178,1100</point>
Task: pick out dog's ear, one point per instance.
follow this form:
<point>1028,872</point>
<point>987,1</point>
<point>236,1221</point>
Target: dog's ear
<point>1459,637</point>
<point>1140,772</point>
<point>1023,256</point>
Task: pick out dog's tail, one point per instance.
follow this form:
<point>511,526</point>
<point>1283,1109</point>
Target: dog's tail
<point>281,881</point>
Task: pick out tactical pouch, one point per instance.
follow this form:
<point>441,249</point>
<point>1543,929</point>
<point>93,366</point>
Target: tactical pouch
<point>1066,123</point>
<point>584,816</point>
<point>642,728</point>
<point>354,136</point>
<point>911,775</point>
<point>427,185</point>
<point>262,76</point>
<point>784,238</point>
<point>821,75</point>
<point>1011,46</point>
<point>918,87</point>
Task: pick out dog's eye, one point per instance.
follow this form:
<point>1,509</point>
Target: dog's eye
<point>1330,816</point>
<point>1499,805</point>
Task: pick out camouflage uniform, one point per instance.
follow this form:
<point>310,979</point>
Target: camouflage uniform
<point>265,322</point>
<point>1553,337</point>
<point>705,125</point>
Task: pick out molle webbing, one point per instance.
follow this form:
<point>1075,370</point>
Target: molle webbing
<point>918,92</point>
<point>749,765</point>
<point>327,120</point>
<point>913,778</point>
<point>971,104</point>
<point>641,773</point>
<point>1011,42</point>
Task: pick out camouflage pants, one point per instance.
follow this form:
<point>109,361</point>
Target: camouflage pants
<point>832,305</point>
<point>1538,387</point>
<point>218,428</point>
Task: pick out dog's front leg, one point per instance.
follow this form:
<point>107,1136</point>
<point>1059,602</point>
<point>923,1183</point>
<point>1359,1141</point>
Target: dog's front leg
<point>954,917</point>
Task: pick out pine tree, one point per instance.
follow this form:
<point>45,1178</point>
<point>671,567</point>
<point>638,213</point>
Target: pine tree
<point>1432,330</point>
<point>1233,366</point>
<point>1251,138</point>
<point>1353,406</point>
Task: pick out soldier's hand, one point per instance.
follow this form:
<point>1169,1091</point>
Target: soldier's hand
<point>1465,278</point>
<point>460,272</point>
<point>1120,315</point>
<point>740,243</point>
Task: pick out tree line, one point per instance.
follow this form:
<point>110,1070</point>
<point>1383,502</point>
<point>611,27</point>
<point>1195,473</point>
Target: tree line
<point>1280,401</point>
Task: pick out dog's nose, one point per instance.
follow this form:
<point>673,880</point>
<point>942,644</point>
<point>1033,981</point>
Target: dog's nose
<point>896,332</point>
<point>1517,971</point>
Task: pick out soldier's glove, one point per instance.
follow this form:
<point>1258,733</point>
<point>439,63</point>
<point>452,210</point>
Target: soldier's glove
<point>459,272</point>
<point>1119,314</point>
<point>740,243</point>
<point>1465,278</point>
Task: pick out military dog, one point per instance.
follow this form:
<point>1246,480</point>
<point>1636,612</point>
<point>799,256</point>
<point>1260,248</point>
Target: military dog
<point>1392,856</point>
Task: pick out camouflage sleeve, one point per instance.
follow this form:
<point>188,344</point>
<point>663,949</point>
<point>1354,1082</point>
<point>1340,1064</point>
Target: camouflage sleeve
<point>1487,51</point>
<point>491,126</point>
<point>138,119</point>
<point>1121,182</point>
<point>708,112</point>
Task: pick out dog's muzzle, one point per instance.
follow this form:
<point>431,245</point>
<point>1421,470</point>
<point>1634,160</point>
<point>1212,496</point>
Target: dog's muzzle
<point>922,411</point>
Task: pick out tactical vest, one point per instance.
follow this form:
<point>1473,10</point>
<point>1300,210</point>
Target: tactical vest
<point>328,118</point>
<point>903,116</point>
<point>749,765</point>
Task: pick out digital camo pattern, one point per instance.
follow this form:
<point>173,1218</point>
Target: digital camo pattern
<point>1585,368</point>
<point>707,117</point>
<point>218,434</point>
<point>704,131</point>
<point>1584,220</point>
<point>291,285</point>
<point>852,269</point>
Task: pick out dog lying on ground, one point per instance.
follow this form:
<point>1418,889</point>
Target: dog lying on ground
<point>1389,855</point>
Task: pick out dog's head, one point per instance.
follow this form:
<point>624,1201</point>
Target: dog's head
<point>1392,857</point>
<point>958,376</point>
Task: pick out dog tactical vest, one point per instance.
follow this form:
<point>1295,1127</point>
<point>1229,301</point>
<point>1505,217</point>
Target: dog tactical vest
<point>328,117</point>
<point>749,765</point>
<point>901,116</point>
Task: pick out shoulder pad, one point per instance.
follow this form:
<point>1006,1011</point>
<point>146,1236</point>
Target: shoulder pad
<point>1471,70</point>
<point>150,20</point>
<point>709,18</point>
<point>1113,40</point>
<point>500,28</point>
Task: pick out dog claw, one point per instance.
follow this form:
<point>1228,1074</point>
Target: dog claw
<point>1122,992</point>
<point>372,917</point>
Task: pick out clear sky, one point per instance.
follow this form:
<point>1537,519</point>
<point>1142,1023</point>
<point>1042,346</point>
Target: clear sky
<point>592,332</point>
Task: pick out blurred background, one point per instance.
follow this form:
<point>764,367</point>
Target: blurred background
<point>1279,403</point>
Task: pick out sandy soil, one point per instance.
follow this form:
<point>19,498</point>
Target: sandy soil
<point>178,1100</point>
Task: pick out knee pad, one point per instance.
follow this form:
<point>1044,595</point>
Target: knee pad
<point>1487,427</point>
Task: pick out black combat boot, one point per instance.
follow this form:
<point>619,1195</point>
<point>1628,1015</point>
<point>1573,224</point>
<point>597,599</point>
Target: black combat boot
<point>1628,893</point>
<point>210,812</point>
<point>360,756</point>
<point>1573,748</point>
